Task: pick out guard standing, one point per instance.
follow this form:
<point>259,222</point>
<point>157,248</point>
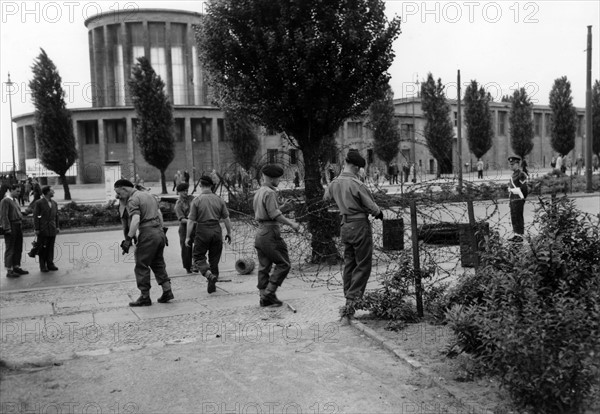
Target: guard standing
<point>518,190</point>
<point>145,216</point>
<point>45,222</point>
<point>355,203</point>
<point>270,246</point>
<point>206,211</point>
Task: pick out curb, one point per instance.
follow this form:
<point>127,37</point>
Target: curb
<point>394,350</point>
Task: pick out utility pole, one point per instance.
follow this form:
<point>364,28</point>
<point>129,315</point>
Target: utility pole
<point>459,138</point>
<point>9,84</point>
<point>588,114</point>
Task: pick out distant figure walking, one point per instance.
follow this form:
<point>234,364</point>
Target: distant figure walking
<point>479,169</point>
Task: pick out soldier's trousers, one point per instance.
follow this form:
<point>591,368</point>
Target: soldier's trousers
<point>358,252</point>
<point>149,255</point>
<point>271,250</point>
<point>516,215</point>
<point>209,239</point>
<point>186,251</point>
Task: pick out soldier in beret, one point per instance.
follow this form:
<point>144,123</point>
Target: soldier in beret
<point>182,211</point>
<point>206,212</point>
<point>518,190</point>
<point>270,246</point>
<point>355,203</point>
<point>145,216</point>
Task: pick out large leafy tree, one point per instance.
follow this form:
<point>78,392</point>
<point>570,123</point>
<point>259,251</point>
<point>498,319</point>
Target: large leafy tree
<point>154,132</point>
<point>521,123</point>
<point>53,125</point>
<point>438,127</point>
<point>596,119</point>
<point>478,118</point>
<point>241,133</point>
<point>563,125</point>
<point>301,67</point>
<point>386,136</point>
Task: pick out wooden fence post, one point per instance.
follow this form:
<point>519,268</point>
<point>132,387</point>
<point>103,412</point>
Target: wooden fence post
<point>416,260</point>
<point>473,232</point>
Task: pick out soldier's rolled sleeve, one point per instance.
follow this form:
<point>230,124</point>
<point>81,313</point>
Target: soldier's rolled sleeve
<point>367,201</point>
<point>271,206</point>
<point>133,206</point>
<point>179,210</point>
<point>193,212</point>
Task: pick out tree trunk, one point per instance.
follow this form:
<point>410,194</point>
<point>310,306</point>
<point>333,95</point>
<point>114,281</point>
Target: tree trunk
<point>163,182</point>
<point>321,224</point>
<point>65,184</point>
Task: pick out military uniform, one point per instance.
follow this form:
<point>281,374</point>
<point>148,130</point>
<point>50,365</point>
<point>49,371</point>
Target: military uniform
<point>182,210</point>
<point>518,192</point>
<point>151,242</point>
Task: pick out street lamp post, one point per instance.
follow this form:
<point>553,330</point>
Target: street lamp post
<point>12,137</point>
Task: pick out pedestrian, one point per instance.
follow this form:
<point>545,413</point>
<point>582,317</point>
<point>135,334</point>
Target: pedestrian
<point>182,210</point>
<point>176,180</point>
<point>186,177</point>
<point>28,189</point>
<point>45,223</point>
<point>559,164</point>
<point>355,203</point>
<point>215,179</point>
<point>145,216</point>
<point>579,164</point>
<point>11,222</point>
<point>36,190</point>
<point>553,162</point>
<point>396,171</point>
<point>22,194</point>
<point>296,179</point>
<point>206,212</point>
<point>270,246</point>
<point>480,169</point>
<point>518,191</point>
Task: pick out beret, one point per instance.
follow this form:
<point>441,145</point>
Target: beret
<point>123,183</point>
<point>206,181</point>
<point>514,158</point>
<point>182,187</point>
<point>353,157</point>
<point>272,170</point>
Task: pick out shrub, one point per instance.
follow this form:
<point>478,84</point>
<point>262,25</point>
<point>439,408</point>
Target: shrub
<point>537,324</point>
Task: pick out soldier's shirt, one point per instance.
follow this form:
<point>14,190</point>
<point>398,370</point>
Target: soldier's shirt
<point>208,207</point>
<point>144,205</point>
<point>265,203</point>
<point>351,195</point>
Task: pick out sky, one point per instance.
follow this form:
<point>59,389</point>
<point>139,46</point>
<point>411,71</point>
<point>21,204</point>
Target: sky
<point>504,45</point>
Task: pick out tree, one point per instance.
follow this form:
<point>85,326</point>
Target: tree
<point>563,122</point>
<point>154,132</point>
<point>596,119</point>
<point>301,67</point>
<point>386,136</point>
<point>521,123</point>
<point>53,126</point>
<point>438,128</point>
<point>478,118</point>
<point>241,133</point>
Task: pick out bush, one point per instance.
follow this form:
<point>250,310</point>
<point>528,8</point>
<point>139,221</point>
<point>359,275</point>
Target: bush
<point>537,324</point>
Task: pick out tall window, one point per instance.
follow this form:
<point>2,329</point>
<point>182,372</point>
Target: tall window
<point>90,131</point>
<point>501,123</point>
<point>136,40</point>
<point>455,118</point>
<point>197,76</point>
<point>293,156</point>
<point>221,130</point>
<point>178,64</point>
<point>406,131</point>
<point>354,129</point>
<point>272,156</point>
<point>116,41</point>
<point>547,122</point>
<point>158,55</point>
<point>580,126</point>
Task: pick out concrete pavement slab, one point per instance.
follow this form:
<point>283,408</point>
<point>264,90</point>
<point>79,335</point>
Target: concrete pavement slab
<point>26,310</point>
<point>115,316</point>
<point>164,310</point>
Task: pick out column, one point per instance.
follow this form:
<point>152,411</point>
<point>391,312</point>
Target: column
<point>101,146</point>
<point>189,145</point>
<point>80,160</point>
<point>189,63</point>
<point>127,60</point>
<point>130,169</point>
<point>169,61</point>
<point>214,140</point>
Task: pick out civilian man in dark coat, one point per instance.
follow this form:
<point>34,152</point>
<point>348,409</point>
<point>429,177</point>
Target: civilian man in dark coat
<point>45,223</point>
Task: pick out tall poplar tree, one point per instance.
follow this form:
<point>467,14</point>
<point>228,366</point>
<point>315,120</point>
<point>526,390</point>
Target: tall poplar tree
<point>53,125</point>
<point>438,127</point>
<point>301,67</point>
<point>521,123</point>
<point>386,136</point>
<point>154,131</point>
<point>478,119</point>
<point>563,122</point>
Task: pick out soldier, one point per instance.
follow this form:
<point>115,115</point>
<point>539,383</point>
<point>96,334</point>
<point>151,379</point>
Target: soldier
<point>355,203</point>
<point>182,210</point>
<point>144,214</point>
<point>269,244</point>
<point>45,222</point>
<point>206,211</point>
<point>518,190</point>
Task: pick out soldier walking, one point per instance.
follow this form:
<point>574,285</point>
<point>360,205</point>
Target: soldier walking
<point>206,212</point>
<point>355,203</point>
<point>270,246</point>
<point>144,215</point>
